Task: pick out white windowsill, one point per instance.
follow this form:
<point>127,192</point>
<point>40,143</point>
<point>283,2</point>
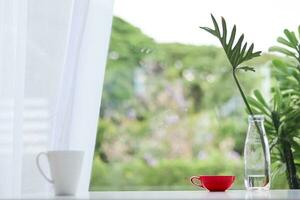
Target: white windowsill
<point>182,195</point>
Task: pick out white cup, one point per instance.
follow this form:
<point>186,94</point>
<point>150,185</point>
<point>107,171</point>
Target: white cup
<point>65,169</point>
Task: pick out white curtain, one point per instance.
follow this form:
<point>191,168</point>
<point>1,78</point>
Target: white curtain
<point>52,61</point>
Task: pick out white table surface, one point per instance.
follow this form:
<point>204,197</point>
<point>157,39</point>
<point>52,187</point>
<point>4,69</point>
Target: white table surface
<point>183,195</point>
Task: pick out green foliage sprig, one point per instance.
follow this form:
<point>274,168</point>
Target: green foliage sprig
<point>282,113</point>
<point>237,54</point>
<point>291,45</point>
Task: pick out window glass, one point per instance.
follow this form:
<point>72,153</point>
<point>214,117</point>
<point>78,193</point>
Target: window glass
<point>170,108</point>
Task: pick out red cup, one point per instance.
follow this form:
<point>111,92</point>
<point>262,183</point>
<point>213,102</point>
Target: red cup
<point>213,183</point>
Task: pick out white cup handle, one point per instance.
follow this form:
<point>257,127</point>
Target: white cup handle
<point>39,166</point>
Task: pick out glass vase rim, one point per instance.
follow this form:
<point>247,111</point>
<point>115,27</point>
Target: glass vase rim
<point>256,117</point>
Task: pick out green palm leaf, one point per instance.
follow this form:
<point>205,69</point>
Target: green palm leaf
<point>237,53</point>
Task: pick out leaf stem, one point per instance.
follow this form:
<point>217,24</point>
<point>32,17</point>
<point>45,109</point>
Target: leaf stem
<point>288,158</point>
<point>255,122</point>
<point>241,92</point>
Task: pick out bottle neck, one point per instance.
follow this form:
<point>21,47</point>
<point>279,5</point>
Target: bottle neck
<point>256,120</point>
<point>254,125</point>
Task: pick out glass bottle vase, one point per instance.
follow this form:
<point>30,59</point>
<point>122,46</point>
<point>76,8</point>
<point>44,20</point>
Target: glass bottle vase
<point>256,155</point>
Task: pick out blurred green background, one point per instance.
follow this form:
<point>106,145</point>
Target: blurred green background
<point>170,111</point>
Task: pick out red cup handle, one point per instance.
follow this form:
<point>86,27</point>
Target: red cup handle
<point>199,184</point>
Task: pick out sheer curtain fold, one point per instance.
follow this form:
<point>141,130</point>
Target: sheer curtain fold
<point>52,61</point>
<point>19,63</point>
<point>13,31</point>
<point>61,134</point>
